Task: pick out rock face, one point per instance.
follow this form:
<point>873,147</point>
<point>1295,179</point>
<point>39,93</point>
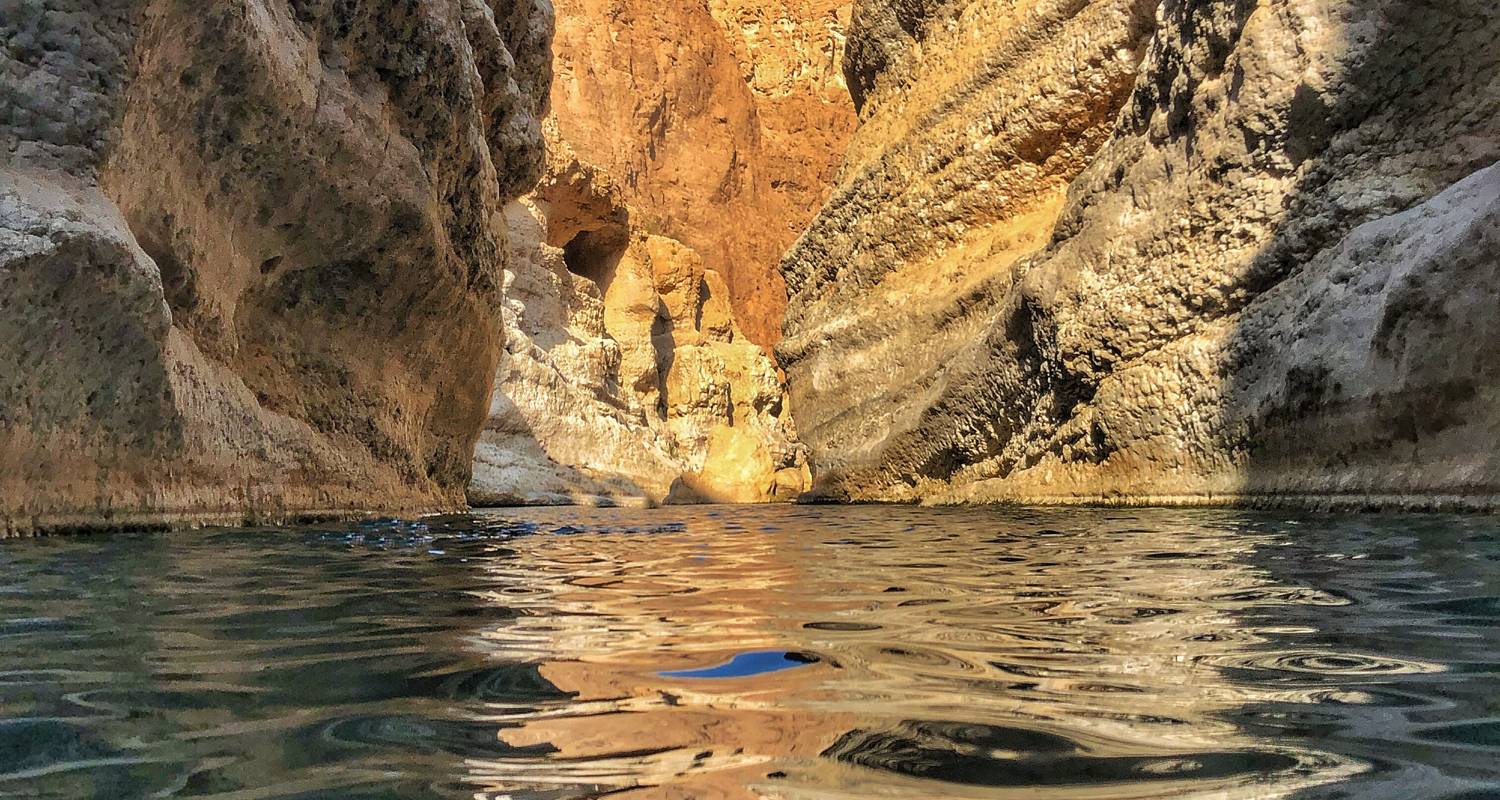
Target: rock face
<point>627,377</point>
<point>721,122</point>
<point>1190,252</point>
<point>689,144</point>
<point>248,265</point>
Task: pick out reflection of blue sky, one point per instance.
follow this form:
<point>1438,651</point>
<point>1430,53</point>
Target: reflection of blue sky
<point>1208,653</point>
<point>760,662</point>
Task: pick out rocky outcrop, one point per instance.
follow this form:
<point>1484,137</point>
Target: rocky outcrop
<point>248,266</point>
<point>627,377</point>
<point>689,145</point>
<point>722,123</point>
<point>1241,250</point>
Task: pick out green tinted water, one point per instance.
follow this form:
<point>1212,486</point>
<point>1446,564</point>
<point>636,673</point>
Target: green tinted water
<point>810,652</point>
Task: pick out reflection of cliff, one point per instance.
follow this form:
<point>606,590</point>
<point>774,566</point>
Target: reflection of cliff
<point>612,612</point>
<point>960,654</point>
<point>958,660</point>
<point>627,376</point>
<point>1125,250</point>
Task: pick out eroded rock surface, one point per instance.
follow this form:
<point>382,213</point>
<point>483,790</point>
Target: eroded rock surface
<point>690,145</point>
<point>627,377</point>
<point>722,123</point>
<point>1188,252</point>
<point>248,265</point>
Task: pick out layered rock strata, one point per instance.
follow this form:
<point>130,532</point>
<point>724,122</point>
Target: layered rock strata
<point>1181,252</point>
<point>627,377</point>
<point>247,259</point>
<point>721,122</point>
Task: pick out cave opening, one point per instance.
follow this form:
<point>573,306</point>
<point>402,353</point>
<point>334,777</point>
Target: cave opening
<point>595,255</point>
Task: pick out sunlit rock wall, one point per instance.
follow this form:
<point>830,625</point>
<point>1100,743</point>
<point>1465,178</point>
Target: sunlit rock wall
<point>1188,252</point>
<point>690,144</point>
<point>722,122</point>
<point>247,259</point>
<point>627,377</point>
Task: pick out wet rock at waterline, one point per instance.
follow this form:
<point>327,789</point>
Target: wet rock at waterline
<point>248,265</point>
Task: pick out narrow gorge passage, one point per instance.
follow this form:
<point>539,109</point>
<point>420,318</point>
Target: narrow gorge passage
<point>292,257</point>
<point>749,399</point>
<point>1114,251</point>
<point>688,145</point>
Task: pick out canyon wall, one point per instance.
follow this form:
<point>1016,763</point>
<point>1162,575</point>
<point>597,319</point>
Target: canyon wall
<point>722,124</point>
<point>627,377</point>
<point>688,145</point>
<point>248,260</point>
<point>1129,251</point>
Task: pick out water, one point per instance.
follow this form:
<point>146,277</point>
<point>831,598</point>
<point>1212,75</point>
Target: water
<point>765,652</point>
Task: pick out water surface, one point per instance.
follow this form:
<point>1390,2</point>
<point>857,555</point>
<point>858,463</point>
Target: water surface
<point>766,652</point>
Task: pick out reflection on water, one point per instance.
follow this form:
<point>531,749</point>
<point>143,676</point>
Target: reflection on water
<point>745,665</point>
<point>763,652</point>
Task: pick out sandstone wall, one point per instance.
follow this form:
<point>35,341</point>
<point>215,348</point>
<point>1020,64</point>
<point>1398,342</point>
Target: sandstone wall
<point>722,122</point>
<point>627,377</point>
<point>1194,252</point>
<point>689,144</point>
<point>248,266</point>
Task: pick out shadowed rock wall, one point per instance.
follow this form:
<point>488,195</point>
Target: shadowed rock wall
<point>248,265</point>
<point>1240,250</point>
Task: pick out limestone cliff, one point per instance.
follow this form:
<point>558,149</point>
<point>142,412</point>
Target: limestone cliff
<point>722,123</point>
<point>690,143</point>
<point>247,259</point>
<point>627,377</point>
<point>1189,251</point>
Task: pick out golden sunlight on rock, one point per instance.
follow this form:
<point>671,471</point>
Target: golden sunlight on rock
<point>1135,252</point>
<point>722,123</point>
<point>627,376</point>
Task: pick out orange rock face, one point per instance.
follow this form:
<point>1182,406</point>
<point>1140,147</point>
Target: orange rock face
<point>723,124</point>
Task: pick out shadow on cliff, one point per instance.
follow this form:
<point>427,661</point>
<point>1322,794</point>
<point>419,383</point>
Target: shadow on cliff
<point>510,442</point>
<point>1359,371</point>
<point>1337,361</point>
<point>521,452</point>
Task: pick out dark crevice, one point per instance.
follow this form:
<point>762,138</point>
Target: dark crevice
<point>595,255</point>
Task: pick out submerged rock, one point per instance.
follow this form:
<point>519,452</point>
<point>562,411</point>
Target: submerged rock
<point>1135,251</point>
<point>248,266</point>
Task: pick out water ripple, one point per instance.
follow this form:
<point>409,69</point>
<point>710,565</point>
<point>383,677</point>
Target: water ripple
<point>796,652</point>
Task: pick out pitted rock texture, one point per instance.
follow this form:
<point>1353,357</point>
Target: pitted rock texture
<point>958,170</point>
<point>722,123</point>
<point>1271,279</point>
<point>248,265</point>
<point>627,378</point>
